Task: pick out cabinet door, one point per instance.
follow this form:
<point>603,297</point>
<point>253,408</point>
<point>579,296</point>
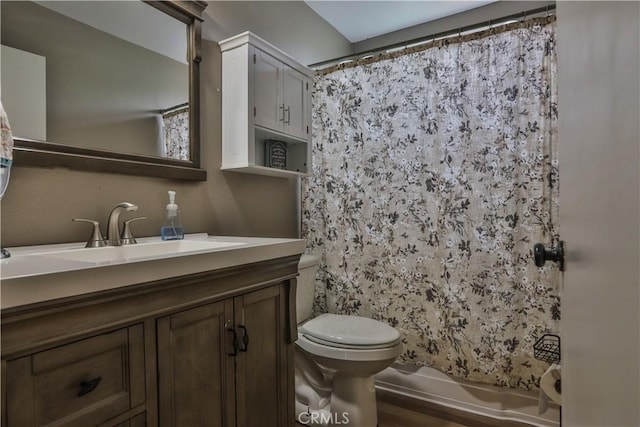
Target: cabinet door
<point>296,103</point>
<point>195,371</point>
<point>267,77</point>
<point>83,383</point>
<point>261,376</point>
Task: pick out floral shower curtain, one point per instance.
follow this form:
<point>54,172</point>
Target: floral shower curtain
<point>434,173</point>
<point>176,134</point>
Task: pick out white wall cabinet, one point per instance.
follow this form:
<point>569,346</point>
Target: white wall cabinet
<point>296,103</point>
<point>266,96</point>
<point>281,96</point>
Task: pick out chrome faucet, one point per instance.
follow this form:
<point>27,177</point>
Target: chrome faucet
<point>113,224</point>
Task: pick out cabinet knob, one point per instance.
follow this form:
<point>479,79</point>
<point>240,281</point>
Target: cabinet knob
<point>87,387</point>
<point>282,108</point>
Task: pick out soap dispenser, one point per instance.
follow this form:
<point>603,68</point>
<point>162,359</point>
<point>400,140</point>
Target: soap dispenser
<point>172,228</point>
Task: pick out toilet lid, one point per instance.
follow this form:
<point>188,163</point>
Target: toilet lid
<point>350,330</point>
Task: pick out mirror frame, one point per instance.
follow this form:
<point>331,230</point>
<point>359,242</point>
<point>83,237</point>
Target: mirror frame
<point>29,152</point>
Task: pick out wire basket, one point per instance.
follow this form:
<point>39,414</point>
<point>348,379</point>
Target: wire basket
<point>547,348</point>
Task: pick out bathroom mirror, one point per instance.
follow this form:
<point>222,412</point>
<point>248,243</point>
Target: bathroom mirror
<point>107,86</point>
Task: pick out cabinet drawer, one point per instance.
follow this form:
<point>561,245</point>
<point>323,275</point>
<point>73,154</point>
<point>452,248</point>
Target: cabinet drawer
<point>79,384</point>
<point>137,421</point>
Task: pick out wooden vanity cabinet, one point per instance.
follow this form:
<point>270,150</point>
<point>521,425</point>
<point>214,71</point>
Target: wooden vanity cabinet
<point>195,372</point>
<point>262,365</point>
<point>232,356</point>
<point>86,382</point>
<point>208,349</point>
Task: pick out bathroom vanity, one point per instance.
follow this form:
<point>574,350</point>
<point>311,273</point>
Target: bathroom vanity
<point>199,336</point>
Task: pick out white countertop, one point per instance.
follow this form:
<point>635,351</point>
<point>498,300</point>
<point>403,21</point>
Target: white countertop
<point>34,274</point>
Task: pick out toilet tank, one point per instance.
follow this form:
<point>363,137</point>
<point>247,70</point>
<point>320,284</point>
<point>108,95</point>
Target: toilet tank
<point>307,267</point>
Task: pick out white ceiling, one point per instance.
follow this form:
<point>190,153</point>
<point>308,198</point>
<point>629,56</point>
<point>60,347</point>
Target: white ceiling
<point>360,20</point>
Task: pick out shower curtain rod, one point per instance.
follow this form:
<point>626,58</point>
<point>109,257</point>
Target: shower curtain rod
<point>174,108</point>
<point>444,34</point>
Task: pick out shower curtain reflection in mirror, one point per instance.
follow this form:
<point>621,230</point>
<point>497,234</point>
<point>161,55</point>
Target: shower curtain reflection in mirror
<point>175,132</point>
<point>6,159</point>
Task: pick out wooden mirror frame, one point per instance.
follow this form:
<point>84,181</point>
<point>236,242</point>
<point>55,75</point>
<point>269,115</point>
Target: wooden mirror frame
<point>49,154</point>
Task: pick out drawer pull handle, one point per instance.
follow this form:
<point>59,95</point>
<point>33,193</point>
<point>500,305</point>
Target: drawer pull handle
<point>234,342</point>
<point>245,338</point>
<point>87,387</point>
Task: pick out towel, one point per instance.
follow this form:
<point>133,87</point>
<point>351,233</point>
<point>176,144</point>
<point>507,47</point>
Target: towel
<point>548,392</point>
<point>6,151</point>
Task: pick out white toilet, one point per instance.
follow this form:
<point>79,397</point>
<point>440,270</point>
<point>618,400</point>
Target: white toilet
<point>336,358</point>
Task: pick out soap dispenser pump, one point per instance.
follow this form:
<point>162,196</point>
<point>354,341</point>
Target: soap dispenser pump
<point>172,228</point>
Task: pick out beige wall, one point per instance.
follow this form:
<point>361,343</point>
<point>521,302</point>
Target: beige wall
<point>292,26</point>
<point>26,96</point>
<point>40,202</point>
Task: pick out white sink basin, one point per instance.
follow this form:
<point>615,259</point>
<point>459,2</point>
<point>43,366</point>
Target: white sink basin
<point>117,254</point>
<point>45,272</point>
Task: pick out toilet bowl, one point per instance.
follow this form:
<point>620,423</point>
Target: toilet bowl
<point>336,358</point>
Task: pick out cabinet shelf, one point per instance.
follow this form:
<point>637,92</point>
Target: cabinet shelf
<point>265,97</point>
<point>264,170</point>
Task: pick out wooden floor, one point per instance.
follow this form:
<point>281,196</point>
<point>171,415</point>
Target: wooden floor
<point>399,411</point>
<point>390,415</point>
<point>394,416</point>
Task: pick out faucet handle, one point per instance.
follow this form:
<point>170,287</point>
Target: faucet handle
<point>126,237</point>
<point>96,240</point>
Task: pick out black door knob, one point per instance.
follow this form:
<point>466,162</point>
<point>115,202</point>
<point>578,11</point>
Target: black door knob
<point>541,254</point>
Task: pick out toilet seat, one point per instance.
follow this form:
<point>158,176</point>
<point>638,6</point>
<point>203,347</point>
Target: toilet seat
<point>362,354</point>
<point>348,346</point>
<point>350,332</point>
<point>349,338</point>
